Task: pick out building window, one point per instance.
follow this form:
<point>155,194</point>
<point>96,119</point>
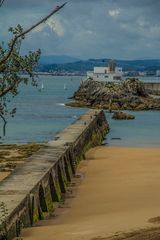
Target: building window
<point>116,78</point>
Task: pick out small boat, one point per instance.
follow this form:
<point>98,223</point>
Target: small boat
<point>116,138</point>
<point>65,88</point>
<point>42,86</point>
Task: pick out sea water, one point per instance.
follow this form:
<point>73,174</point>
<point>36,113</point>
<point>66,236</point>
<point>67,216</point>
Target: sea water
<point>41,114</point>
<point>143,131</point>
<point>40,111</point>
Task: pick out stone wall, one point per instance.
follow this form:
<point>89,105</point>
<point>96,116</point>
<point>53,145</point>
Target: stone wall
<point>152,88</point>
<point>33,190</point>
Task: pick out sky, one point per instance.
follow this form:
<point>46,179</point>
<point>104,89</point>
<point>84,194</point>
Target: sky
<point>119,29</point>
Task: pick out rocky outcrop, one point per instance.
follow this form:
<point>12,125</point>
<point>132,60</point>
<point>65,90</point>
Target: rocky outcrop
<point>122,116</point>
<point>129,94</point>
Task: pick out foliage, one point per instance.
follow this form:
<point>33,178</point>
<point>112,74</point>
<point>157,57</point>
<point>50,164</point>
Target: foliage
<point>11,71</point>
<point>13,64</point>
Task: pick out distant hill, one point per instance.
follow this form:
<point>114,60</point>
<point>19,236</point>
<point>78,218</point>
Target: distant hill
<point>127,65</point>
<point>140,65</point>
<point>57,59</point>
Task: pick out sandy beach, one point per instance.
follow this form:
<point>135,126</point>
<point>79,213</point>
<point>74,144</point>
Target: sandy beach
<point>118,192</point>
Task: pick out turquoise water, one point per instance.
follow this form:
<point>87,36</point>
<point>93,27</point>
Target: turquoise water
<point>142,132</point>
<point>41,114</point>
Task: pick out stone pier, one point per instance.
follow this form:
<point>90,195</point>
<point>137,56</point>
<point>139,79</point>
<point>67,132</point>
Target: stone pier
<point>152,88</point>
<point>33,190</point>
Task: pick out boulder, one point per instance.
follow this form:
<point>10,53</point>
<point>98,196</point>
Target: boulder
<point>122,116</point>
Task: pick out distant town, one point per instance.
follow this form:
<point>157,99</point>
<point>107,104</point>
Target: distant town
<point>84,73</point>
<point>140,68</point>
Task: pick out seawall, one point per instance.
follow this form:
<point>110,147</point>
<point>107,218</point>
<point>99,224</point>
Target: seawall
<point>152,88</point>
<point>33,190</point>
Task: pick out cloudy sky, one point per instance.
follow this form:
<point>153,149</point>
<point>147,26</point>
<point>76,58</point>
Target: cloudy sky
<point>120,29</point>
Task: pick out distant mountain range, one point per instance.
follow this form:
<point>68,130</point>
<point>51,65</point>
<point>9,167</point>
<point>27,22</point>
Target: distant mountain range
<point>67,63</point>
<point>140,65</point>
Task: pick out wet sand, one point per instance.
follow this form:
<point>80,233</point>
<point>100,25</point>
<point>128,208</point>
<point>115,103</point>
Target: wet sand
<point>119,192</point>
<point>3,175</point>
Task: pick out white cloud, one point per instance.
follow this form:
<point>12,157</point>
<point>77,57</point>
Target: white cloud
<point>88,28</point>
<point>89,32</point>
<point>55,26</point>
<point>114,12</point>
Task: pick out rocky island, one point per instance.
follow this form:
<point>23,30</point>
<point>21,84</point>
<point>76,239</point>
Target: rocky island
<point>122,116</point>
<point>129,94</point>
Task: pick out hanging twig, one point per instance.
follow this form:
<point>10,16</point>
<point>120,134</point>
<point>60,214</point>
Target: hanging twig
<point>29,30</point>
<point>4,124</point>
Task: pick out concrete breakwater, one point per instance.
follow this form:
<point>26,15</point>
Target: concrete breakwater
<point>32,190</point>
<point>152,88</point>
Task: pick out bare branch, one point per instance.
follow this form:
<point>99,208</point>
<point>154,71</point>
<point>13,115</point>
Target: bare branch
<point>29,30</point>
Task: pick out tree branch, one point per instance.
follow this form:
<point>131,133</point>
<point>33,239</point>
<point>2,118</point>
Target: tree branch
<point>2,93</point>
<point>29,30</point>
<point>4,124</point>
<point>3,118</point>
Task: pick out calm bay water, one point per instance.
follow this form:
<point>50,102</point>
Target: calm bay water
<point>41,114</point>
<point>144,131</point>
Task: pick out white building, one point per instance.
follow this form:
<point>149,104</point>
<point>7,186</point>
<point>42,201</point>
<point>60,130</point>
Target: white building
<point>158,73</point>
<point>109,73</point>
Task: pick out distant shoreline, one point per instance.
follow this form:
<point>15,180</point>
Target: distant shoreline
<point>60,74</point>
